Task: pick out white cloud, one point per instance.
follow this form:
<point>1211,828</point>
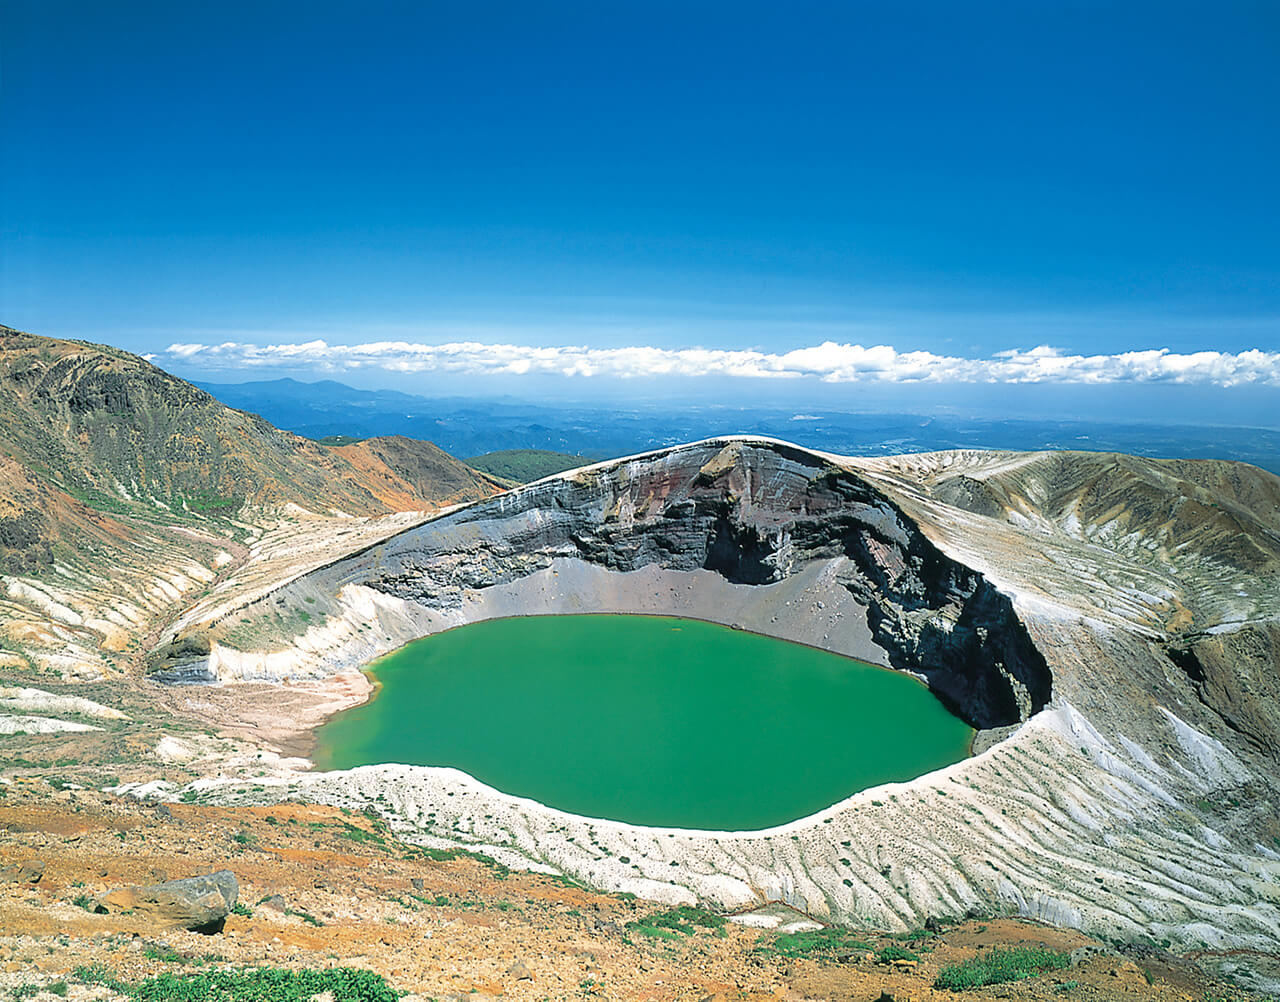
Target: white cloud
<point>830,362</point>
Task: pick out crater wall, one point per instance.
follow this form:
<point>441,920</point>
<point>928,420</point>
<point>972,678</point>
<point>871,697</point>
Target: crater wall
<point>753,514</point>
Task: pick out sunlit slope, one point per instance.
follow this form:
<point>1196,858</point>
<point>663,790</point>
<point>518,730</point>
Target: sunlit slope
<point>125,491</point>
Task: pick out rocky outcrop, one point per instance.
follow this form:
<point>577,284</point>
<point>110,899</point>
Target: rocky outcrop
<point>1235,674</point>
<point>27,871</point>
<point>198,903</point>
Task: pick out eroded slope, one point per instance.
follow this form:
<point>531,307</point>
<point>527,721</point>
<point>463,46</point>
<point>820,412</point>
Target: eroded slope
<point>126,494</point>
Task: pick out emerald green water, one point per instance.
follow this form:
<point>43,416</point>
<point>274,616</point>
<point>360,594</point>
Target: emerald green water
<point>648,720</point>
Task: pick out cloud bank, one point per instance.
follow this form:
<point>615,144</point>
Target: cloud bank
<point>829,362</point>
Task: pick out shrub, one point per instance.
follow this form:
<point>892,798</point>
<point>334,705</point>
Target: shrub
<point>830,944</point>
<point>997,966</point>
<point>260,985</point>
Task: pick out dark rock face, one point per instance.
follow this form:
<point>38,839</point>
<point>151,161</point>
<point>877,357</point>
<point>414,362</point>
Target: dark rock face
<point>753,512</point>
<point>199,903</point>
<point>1235,675</point>
<point>24,545</point>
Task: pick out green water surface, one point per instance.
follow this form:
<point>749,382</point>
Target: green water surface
<point>645,719</point>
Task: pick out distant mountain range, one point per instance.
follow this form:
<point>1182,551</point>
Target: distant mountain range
<point>470,427</point>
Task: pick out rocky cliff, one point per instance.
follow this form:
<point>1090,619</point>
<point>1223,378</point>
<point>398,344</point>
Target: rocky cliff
<point>753,515</point>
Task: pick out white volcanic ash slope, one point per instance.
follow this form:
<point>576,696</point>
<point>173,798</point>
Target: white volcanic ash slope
<point>1127,802</point>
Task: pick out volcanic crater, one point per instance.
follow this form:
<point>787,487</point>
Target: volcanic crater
<point>1073,607</point>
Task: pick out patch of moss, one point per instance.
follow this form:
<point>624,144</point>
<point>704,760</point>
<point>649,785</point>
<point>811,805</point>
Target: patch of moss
<point>676,922</point>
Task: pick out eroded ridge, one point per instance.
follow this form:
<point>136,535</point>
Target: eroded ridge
<point>753,514</point>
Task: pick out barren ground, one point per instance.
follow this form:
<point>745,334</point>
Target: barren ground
<point>440,928</point>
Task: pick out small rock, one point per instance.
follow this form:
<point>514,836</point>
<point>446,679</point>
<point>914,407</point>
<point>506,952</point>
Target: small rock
<point>418,884</point>
<point>275,902</point>
<point>28,871</point>
<point>520,971</point>
<point>906,965</point>
<point>1083,953</point>
<point>163,812</point>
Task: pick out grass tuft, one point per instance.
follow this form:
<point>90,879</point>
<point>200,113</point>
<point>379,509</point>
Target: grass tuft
<point>820,944</point>
<point>998,966</point>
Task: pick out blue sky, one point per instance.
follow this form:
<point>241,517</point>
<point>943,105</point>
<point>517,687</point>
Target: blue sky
<point>960,180</point>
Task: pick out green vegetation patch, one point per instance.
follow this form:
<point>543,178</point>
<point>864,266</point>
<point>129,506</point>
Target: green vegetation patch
<point>264,984</point>
<point>207,501</point>
<point>819,944</point>
<point>998,966</point>
<point>524,465</point>
<point>682,921</point>
<point>30,991</point>
<point>361,835</point>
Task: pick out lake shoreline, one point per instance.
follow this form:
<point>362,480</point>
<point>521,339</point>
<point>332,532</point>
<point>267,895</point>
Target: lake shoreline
<point>731,681</point>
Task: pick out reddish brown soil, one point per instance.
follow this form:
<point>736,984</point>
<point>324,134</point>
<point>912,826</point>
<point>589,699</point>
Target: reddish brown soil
<point>354,896</point>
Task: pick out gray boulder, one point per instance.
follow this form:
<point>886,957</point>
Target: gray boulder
<point>29,871</point>
<point>199,903</point>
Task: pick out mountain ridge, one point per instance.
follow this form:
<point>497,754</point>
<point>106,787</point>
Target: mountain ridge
<point>125,490</point>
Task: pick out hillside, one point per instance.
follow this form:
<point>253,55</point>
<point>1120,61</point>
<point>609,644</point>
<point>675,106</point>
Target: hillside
<point>124,491</point>
<point>117,433</point>
<point>321,888</point>
<point>404,471</point>
<point>522,466</point>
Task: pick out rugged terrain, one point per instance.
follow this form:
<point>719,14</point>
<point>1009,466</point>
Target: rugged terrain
<point>1109,624</point>
<point>1064,601</point>
<point>320,888</point>
<point>125,493</point>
